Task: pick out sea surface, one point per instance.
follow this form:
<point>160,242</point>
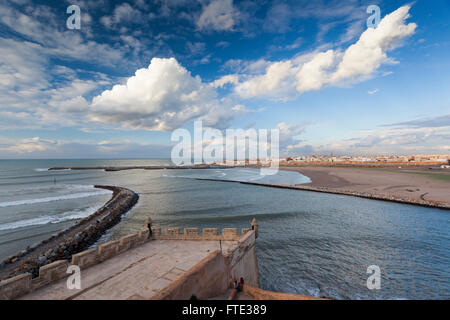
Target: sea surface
<point>310,243</point>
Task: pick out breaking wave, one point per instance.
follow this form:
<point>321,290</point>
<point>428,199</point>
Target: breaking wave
<point>70,215</point>
<point>50,199</point>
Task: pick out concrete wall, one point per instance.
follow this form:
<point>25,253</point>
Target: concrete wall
<point>206,279</point>
<point>242,261</point>
<point>212,276</point>
<point>15,287</point>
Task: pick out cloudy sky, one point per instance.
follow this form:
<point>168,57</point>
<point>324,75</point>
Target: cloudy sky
<point>137,70</point>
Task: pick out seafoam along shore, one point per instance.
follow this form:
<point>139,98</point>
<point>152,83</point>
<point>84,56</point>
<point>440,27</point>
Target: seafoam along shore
<point>72,240</point>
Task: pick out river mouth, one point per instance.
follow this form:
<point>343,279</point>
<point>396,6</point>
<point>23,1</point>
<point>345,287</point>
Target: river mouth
<point>310,243</point>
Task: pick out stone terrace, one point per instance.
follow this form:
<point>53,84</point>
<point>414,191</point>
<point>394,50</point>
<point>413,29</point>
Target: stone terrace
<point>143,270</point>
<point>138,266</point>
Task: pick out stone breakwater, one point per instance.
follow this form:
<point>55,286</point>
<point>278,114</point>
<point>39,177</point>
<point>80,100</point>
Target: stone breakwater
<point>120,168</point>
<point>421,202</point>
<point>62,245</point>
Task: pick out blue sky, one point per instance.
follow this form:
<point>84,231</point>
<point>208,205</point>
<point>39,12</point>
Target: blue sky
<point>136,70</point>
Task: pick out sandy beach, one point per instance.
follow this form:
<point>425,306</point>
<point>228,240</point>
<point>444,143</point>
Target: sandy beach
<point>404,183</point>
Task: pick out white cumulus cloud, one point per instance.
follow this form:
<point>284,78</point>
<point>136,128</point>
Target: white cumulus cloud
<point>276,80</point>
<point>369,52</point>
<point>315,70</point>
<point>162,97</point>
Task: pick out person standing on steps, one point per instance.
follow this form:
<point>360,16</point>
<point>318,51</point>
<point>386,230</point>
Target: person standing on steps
<point>148,224</point>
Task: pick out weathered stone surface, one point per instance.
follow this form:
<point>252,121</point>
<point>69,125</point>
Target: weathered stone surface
<point>85,259</point>
<point>156,231</point>
<point>210,231</point>
<point>108,249</point>
<point>15,287</point>
<point>142,270</point>
<point>53,271</point>
<point>173,231</point>
<point>229,233</point>
<point>143,235</point>
<point>191,232</point>
<point>238,255</point>
<point>128,242</point>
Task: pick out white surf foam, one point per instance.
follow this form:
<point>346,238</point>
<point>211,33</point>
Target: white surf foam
<point>70,215</point>
<point>50,199</point>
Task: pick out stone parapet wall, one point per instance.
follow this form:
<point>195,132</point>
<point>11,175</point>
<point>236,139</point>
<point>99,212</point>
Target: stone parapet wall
<point>205,234</point>
<point>22,284</point>
<point>212,276</point>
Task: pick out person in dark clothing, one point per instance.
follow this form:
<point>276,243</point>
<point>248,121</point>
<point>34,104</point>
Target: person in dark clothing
<point>148,224</point>
<point>241,284</point>
<point>236,286</point>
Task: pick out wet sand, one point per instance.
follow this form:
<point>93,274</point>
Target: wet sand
<point>416,184</point>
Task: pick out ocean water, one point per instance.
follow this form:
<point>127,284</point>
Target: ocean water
<point>310,243</point>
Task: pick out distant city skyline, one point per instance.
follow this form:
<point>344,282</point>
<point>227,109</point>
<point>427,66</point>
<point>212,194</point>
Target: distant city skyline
<point>137,70</point>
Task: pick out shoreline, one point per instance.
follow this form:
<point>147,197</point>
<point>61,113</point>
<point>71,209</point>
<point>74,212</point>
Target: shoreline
<point>74,239</point>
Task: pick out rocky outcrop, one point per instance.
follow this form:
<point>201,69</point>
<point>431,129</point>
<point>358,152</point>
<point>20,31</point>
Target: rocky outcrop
<point>72,240</point>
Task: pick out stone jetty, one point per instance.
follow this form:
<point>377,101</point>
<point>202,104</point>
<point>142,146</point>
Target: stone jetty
<point>72,240</point>
<point>121,168</point>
